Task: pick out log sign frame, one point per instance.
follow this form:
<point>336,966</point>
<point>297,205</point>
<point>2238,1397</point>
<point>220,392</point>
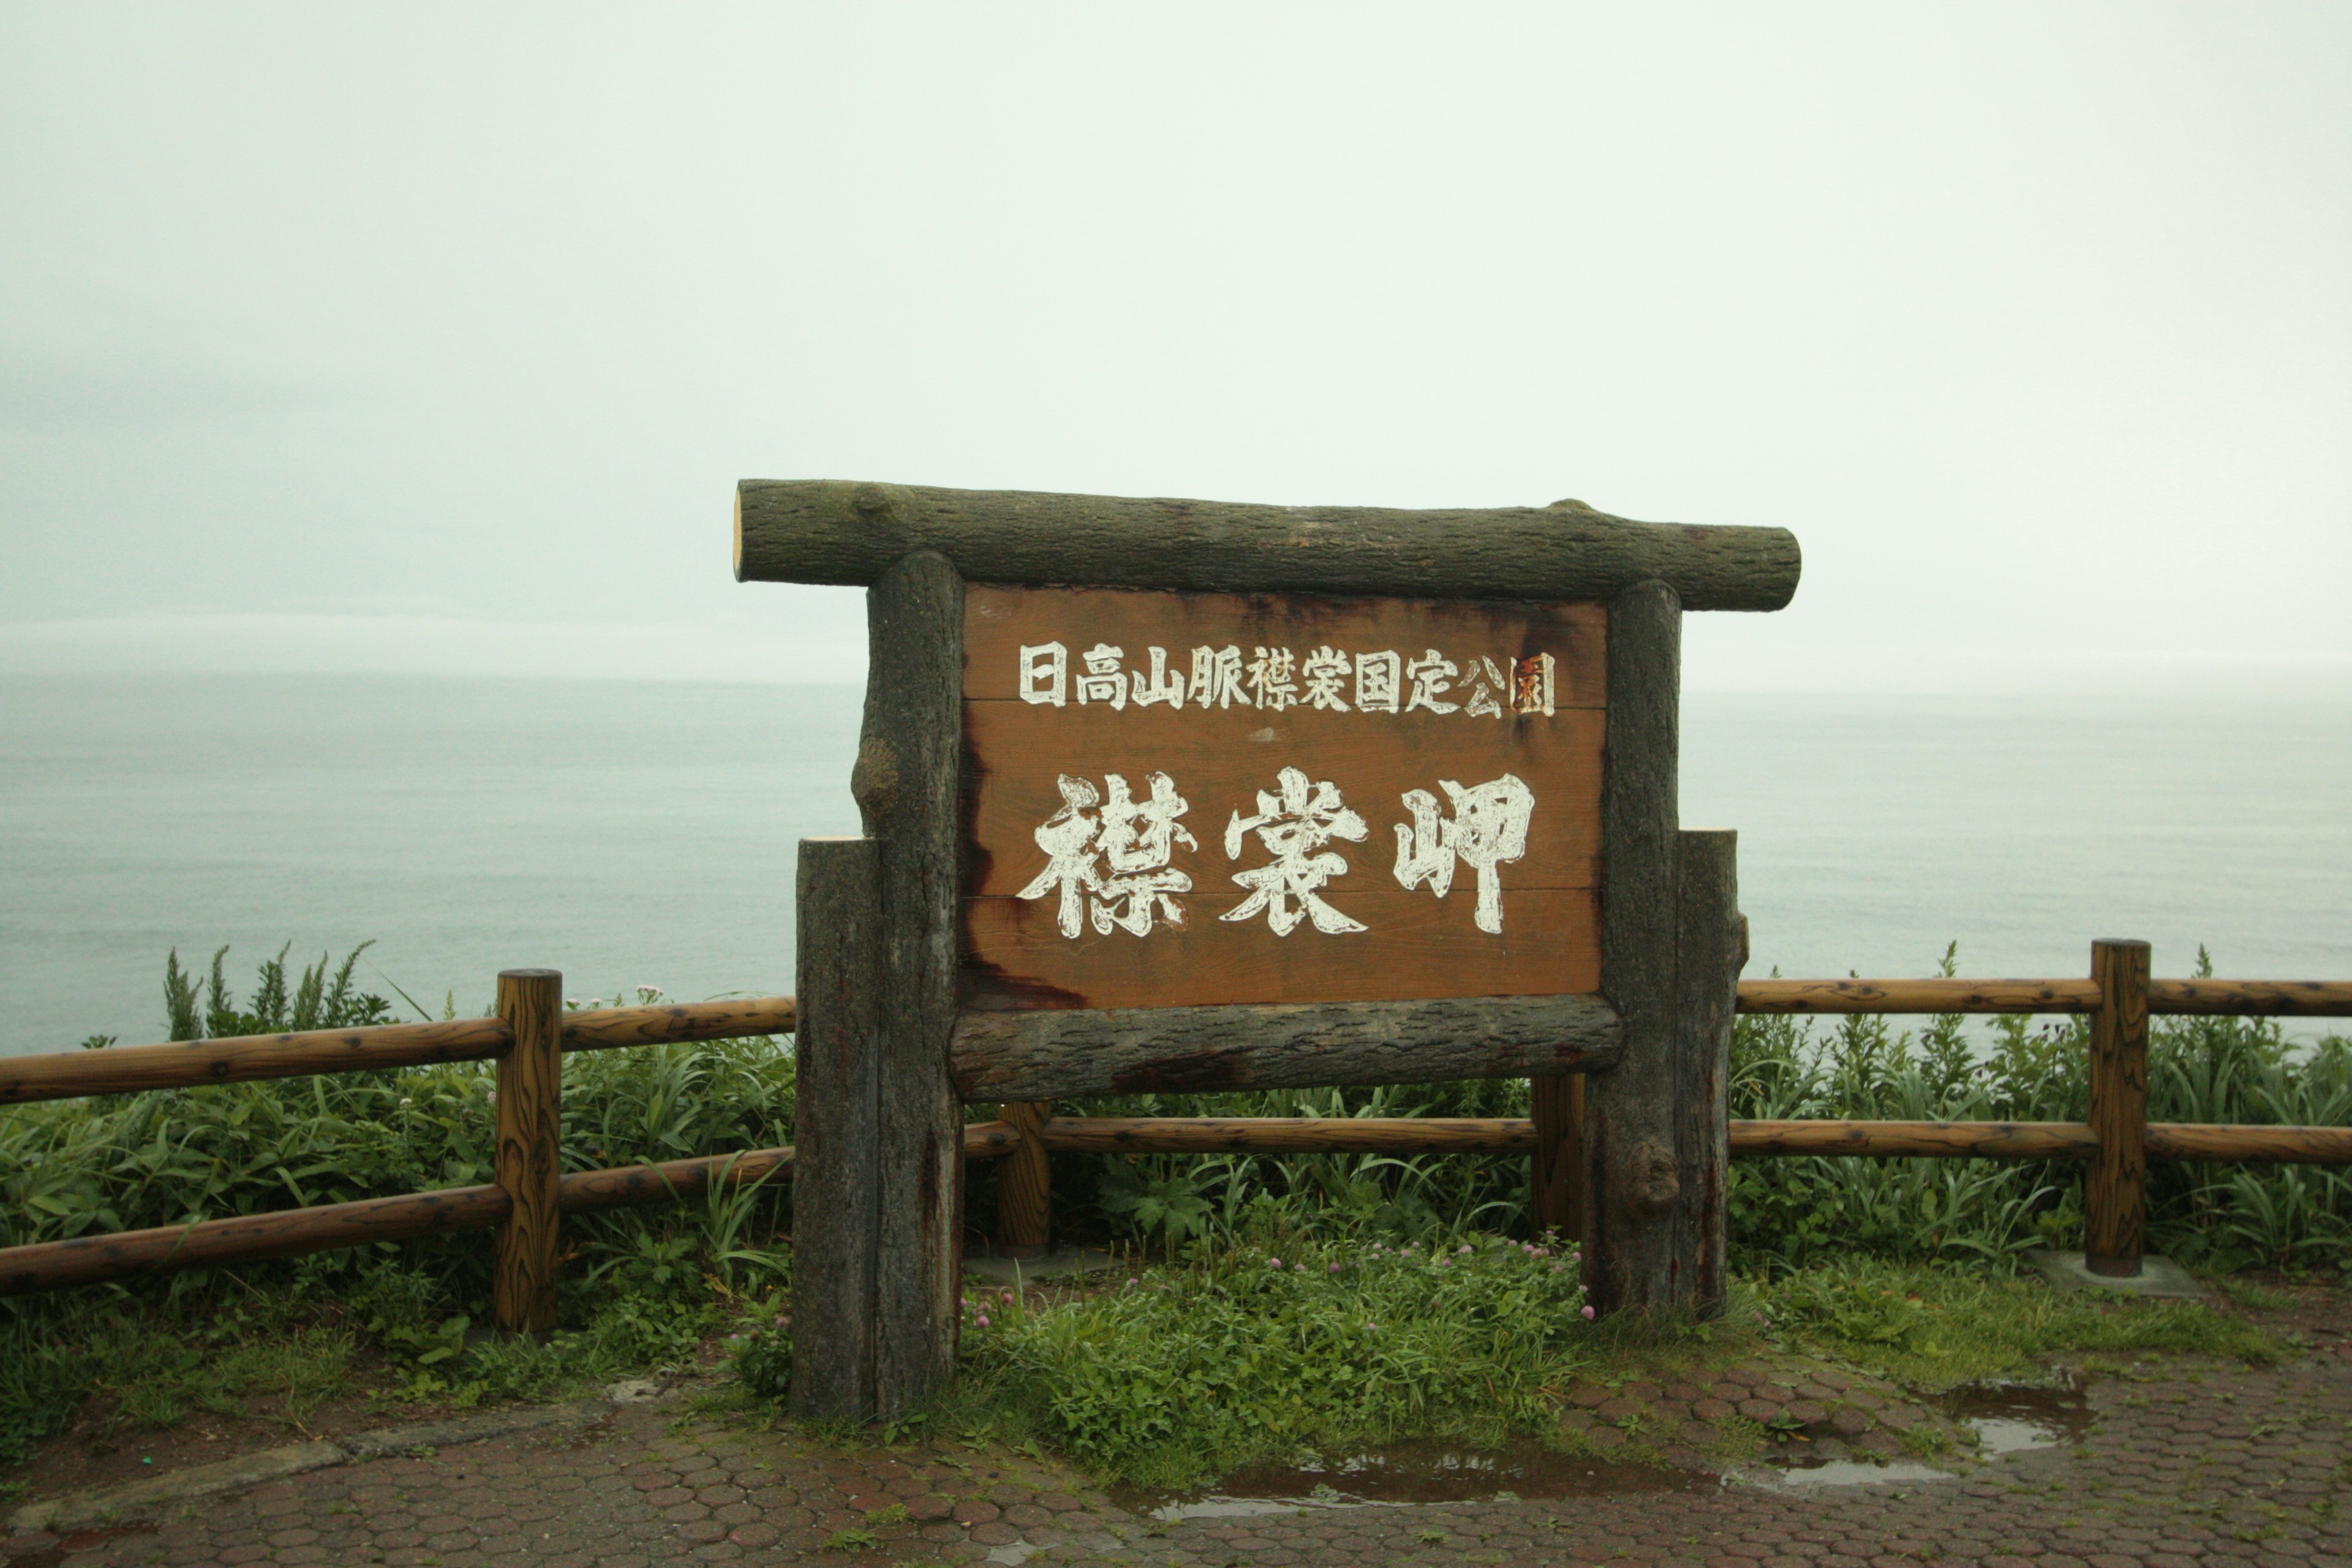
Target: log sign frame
<point>1167,795</point>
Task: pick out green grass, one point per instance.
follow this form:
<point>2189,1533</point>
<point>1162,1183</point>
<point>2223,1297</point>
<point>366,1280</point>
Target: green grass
<point>1263,1354</point>
<point>1789,1213</point>
<point>641,1288</point>
<point>1936,1327</point>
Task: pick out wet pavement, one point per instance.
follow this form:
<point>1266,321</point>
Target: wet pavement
<point>2159,1464</point>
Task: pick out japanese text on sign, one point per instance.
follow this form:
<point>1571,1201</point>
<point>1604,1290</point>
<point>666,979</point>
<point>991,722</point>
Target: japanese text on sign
<point>1273,679</point>
<point>1109,856</point>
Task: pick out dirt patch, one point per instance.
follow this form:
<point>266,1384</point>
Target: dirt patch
<point>101,1449</point>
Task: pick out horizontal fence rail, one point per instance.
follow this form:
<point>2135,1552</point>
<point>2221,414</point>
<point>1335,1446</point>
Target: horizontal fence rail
<point>242,1058</point>
<point>322,1228</point>
<point>291,1231</point>
<point>2244,998</point>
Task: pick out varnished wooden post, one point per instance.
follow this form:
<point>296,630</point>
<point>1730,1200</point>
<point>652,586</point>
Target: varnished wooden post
<point>907,781</point>
<point>1025,1193</point>
<point>837,1051</point>
<point>1712,949</point>
<point>2114,1193</point>
<point>1556,1168</point>
<point>529,1153</point>
<point>1633,1172</point>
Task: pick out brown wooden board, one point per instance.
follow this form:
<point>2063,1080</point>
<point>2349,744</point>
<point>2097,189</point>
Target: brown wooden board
<point>1249,705</point>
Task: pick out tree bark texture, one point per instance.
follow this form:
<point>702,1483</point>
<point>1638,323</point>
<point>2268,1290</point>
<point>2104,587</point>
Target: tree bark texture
<point>2114,1193</point>
<point>1556,1168</point>
<point>835,1171</point>
<point>826,530</point>
<point>1024,1192</point>
<point>907,784</point>
<point>1634,1166</point>
<point>1711,951</point>
<point>529,1159</point>
<point>1066,1053</point>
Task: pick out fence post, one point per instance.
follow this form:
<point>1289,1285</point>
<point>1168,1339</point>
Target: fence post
<point>1556,1170</point>
<point>836,1169</point>
<point>530,1151</point>
<point>1633,1173</point>
<point>2115,1197</point>
<point>1025,1193</point>
<point>1713,948</point>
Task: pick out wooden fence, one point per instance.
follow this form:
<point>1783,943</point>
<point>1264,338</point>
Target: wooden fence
<point>531,1032</point>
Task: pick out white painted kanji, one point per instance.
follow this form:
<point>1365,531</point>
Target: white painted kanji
<point>1067,837</point>
<point>1217,678</point>
<point>1295,826</point>
<point>1376,682</point>
<point>1325,671</point>
<point>1488,683</point>
<point>1113,868</point>
<point>1105,680</point>
<point>1432,674</point>
<point>1271,686</point>
<point>1273,679</point>
<point>1488,829</point>
<point>1160,686</point>
<point>1044,673</point>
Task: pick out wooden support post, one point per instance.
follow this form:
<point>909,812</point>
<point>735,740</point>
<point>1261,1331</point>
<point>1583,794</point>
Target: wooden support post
<point>837,1059</point>
<point>1712,946</point>
<point>2114,1193</point>
<point>1556,1168</point>
<point>1632,1168</point>
<point>530,1150</point>
<point>1025,1193</point>
<point>907,781</point>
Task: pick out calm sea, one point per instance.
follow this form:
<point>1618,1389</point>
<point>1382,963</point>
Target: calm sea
<point>643,834</point>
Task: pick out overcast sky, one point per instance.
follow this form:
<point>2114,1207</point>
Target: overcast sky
<point>435,337</point>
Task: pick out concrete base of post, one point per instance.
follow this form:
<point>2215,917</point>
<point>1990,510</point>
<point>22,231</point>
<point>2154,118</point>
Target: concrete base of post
<point>2157,1276</point>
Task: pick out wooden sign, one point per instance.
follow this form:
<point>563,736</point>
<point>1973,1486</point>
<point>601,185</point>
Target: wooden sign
<point>1167,795</point>
<point>1179,799</point>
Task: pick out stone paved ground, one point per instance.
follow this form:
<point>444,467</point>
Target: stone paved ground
<point>2183,1465</point>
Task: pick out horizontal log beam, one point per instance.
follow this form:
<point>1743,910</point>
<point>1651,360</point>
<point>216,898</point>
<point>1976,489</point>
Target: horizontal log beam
<point>1946,1140</point>
<point>241,1058</point>
<point>1955,1140</point>
<point>2225,1141</point>
<point>1932,996</point>
<point>1057,1054</point>
<point>1286,1134</point>
<point>631,1186</point>
<point>287,1233</point>
<point>828,530</point>
<point>2258,998</point>
<point>284,1233</point>
<point>126,1069</point>
<point>608,1028</point>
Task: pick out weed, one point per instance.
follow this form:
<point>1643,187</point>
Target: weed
<point>1936,1328</point>
<point>1266,1350</point>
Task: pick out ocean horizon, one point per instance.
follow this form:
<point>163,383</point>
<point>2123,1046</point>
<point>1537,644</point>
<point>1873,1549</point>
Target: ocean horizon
<point>641,833</point>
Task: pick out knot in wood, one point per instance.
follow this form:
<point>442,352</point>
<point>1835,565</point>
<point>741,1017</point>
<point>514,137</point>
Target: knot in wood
<point>1657,1177</point>
<point>871,501</point>
<point>874,779</point>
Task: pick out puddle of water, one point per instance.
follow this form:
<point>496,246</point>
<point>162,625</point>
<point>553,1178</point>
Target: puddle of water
<point>1852,1473</point>
<point>2017,1418</point>
<point>1409,1473</point>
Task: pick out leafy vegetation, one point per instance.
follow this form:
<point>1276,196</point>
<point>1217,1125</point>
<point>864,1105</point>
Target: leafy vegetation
<point>1262,1351</point>
<point>1935,1327</point>
<point>1898,1265</point>
<point>1789,1213</point>
<point>642,1287</point>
